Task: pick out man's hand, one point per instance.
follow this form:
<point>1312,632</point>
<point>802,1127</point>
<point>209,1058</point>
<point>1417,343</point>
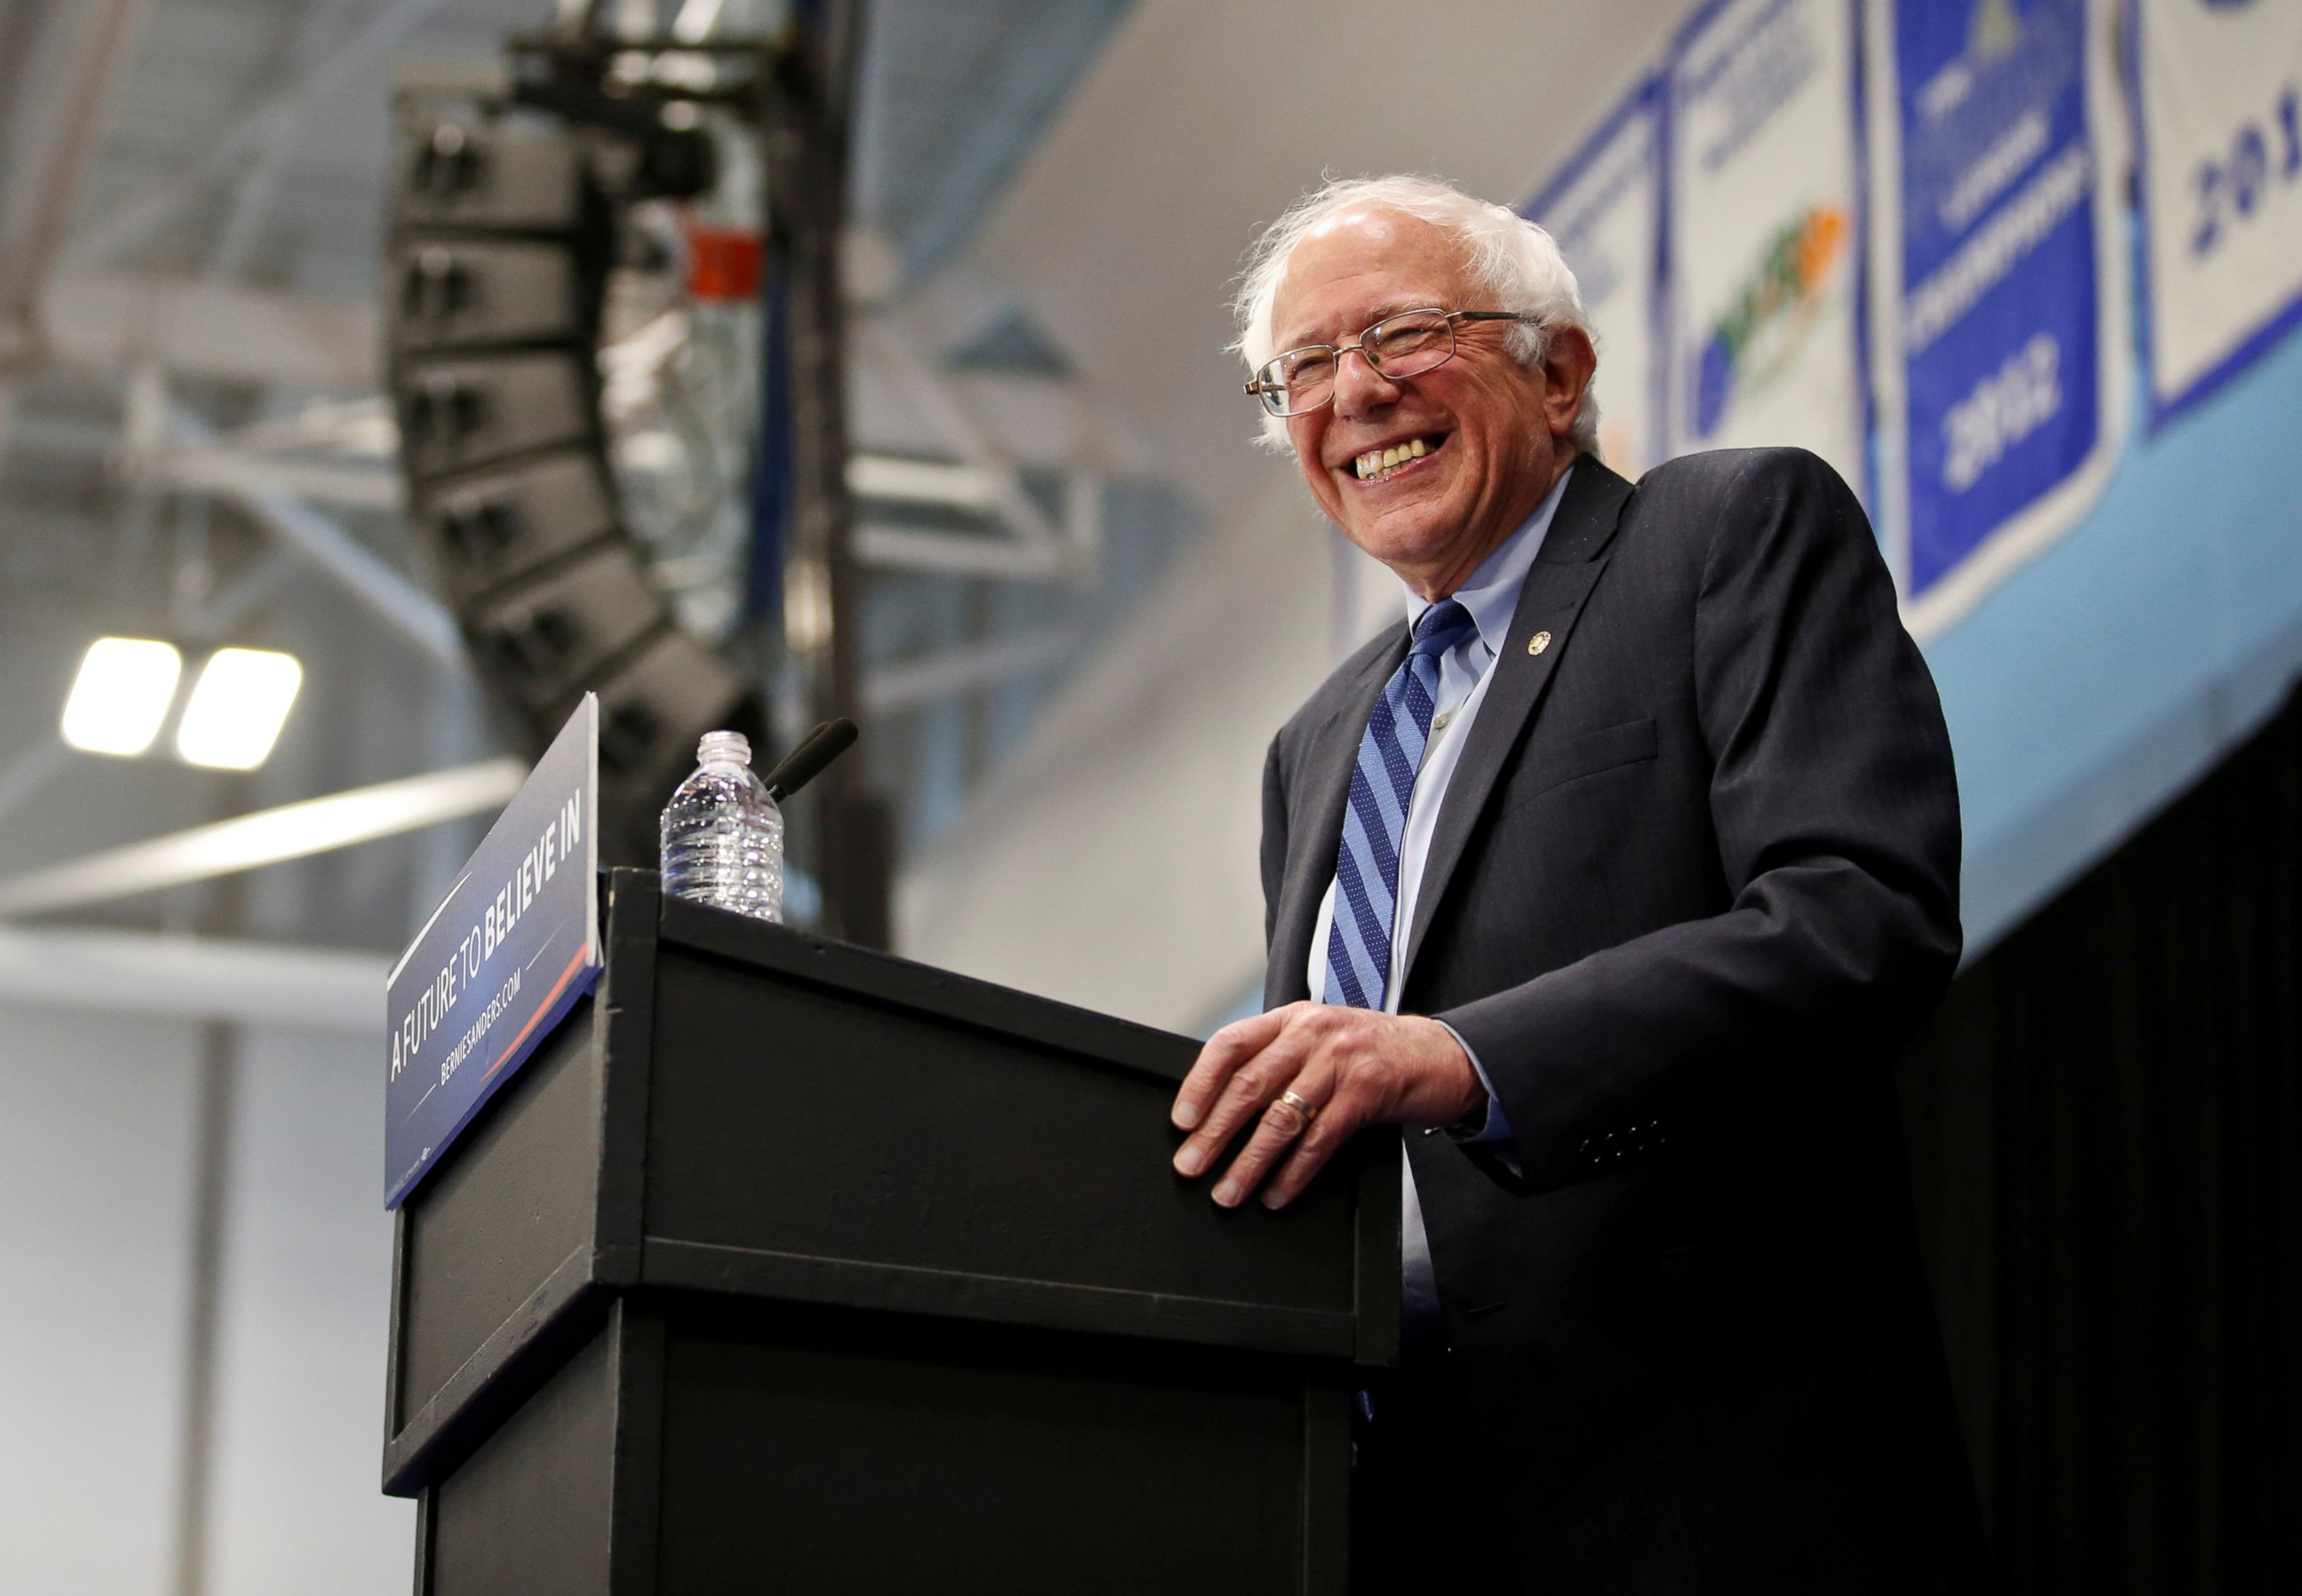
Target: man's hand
<point>1353,1067</point>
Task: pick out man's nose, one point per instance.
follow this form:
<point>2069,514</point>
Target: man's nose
<point>1360,387</point>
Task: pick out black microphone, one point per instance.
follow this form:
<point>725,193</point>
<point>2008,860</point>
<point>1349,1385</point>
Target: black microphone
<point>804,763</point>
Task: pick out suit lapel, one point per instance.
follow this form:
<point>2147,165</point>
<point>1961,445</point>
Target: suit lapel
<point>1573,559</point>
<point>1319,792</point>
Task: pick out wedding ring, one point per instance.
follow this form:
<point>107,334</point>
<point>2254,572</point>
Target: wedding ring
<point>1299,1104</point>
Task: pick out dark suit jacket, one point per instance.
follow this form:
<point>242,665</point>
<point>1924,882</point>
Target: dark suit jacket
<point>1695,878</point>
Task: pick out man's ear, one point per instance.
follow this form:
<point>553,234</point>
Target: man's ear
<point>1568,367</point>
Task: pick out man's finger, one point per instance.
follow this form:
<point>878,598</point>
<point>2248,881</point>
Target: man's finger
<point>1283,1124</point>
<point>1224,1052</point>
<point>1309,1153</point>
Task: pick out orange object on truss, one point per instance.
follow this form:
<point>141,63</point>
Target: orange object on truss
<point>723,263</point>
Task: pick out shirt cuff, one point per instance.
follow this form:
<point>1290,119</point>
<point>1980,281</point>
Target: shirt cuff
<point>1497,1125</point>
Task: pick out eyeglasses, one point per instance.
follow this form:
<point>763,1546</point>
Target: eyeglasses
<point>1405,345</point>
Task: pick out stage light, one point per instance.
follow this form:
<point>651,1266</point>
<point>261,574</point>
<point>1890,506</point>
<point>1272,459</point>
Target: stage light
<point>237,708</point>
<point>122,695</point>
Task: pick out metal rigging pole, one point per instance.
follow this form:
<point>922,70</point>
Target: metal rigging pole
<point>808,117</point>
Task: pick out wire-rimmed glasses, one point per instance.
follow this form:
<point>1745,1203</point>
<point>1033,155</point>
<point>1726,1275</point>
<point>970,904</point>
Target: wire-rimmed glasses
<point>1297,382</point>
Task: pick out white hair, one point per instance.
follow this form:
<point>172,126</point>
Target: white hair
<point>1516,262</point>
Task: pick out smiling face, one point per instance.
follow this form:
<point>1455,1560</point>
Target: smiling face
<point>1492,433</point>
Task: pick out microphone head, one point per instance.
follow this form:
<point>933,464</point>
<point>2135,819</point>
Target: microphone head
<point>805,762</point>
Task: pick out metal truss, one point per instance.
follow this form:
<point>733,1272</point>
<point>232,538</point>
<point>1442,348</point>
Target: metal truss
<point>985,478</point>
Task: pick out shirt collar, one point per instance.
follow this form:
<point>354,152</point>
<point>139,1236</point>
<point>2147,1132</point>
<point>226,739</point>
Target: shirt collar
<point>1490,592</point>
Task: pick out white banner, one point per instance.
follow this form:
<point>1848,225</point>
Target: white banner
<point>1765,250</point>
<point>2219,88</point>
<point>1605,208</point>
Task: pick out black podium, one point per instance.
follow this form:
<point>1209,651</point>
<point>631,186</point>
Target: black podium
<point>783,1265</point>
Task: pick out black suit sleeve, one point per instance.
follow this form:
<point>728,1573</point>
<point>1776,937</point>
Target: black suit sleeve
<point>1274,840</point>
<point>1835,810</point>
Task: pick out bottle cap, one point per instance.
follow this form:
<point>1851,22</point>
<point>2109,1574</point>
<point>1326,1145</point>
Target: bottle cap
<point>724,748</point>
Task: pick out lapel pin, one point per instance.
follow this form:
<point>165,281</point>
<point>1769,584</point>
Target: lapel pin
<point>1538,642</point>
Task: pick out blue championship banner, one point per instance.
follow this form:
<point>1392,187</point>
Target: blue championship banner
<point>1998,373</point>
<point>506,955</point>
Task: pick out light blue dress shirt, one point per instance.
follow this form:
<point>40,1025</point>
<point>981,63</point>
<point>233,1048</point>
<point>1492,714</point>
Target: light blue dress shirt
<point>1491,595</point>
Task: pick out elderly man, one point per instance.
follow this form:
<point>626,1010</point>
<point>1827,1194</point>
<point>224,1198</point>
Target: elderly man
<point>1615,877</point>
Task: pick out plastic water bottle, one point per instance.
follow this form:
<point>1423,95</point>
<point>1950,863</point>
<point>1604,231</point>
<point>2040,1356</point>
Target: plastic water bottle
<point>723,837</point>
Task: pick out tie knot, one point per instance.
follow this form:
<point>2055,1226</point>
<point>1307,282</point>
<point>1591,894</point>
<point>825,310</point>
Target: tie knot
<point>1441,627</point>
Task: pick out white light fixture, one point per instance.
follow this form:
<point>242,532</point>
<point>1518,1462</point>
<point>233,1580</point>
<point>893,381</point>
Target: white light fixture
<point>122,695</point>
<point>237,708</point>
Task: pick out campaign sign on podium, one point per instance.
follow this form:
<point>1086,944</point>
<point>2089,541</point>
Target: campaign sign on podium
<point>507,951</point>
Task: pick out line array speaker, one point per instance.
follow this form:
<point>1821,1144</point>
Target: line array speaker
<point>501,235</point>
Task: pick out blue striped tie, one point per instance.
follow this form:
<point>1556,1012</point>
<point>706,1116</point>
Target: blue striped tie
<point>1367,864</point>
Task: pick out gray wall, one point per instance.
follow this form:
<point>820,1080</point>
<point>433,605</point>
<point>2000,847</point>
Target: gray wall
<point>96,1167</point>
